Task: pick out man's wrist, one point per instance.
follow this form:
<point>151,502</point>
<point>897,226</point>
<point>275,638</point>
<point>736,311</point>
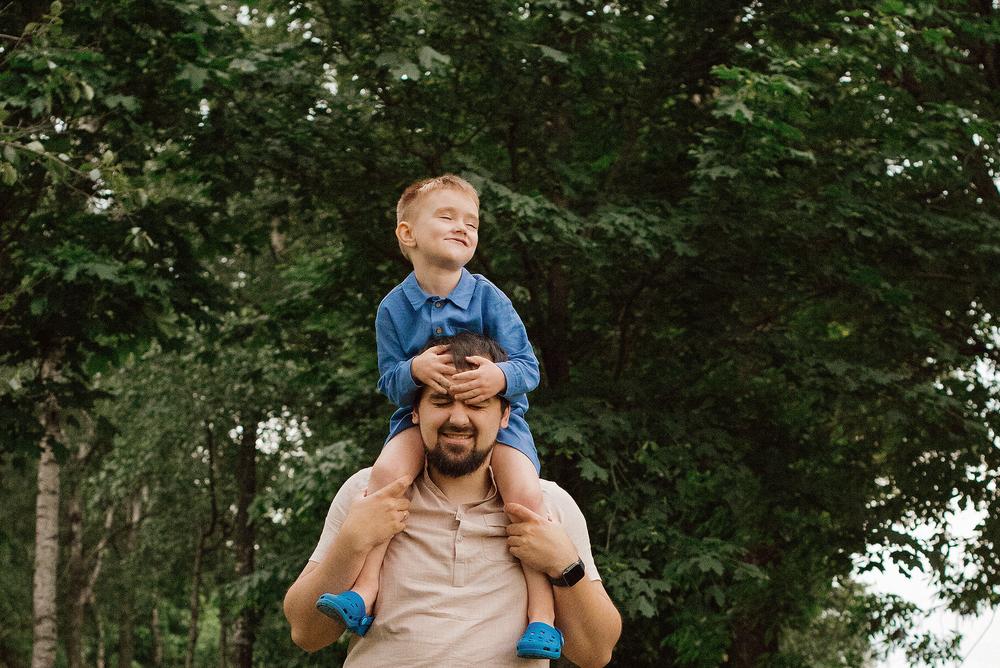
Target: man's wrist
<point>569,575</point>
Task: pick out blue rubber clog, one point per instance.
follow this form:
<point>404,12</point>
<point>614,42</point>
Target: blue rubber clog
<point>540,641</point>
<point>347,607</point>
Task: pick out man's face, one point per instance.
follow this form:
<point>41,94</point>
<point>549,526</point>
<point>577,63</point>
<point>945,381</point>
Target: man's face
<point>444,228</point>
<point>458,437</point>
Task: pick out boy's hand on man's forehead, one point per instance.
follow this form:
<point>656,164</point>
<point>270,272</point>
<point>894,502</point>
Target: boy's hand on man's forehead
<point>480,384</point>
<point>433,368</point>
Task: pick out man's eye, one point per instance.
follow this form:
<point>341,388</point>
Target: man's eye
<point>446,217</point>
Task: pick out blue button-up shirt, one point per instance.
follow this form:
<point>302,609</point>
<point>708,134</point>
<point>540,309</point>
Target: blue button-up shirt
<point>408,317</point>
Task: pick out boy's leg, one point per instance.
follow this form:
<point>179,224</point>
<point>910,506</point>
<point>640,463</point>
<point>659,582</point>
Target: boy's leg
<point>403,455</point>
<point>518,483</point>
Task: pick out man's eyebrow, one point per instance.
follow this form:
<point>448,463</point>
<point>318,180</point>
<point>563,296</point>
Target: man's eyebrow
<point>438,396</point>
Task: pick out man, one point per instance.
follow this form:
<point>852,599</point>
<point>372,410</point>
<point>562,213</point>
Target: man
<point>452,592</point>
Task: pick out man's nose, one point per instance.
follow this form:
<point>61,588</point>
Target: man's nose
<point>459,414</point>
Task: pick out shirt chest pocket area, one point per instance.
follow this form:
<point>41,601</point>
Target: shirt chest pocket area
<point>494,539</point>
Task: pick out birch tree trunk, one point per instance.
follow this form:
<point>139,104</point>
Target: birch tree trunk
<point>245,631</point>
<point>45,634</point>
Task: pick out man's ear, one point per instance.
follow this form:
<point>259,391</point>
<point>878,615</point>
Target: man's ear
<point>505,417</point>
<point>415,415</point>
<point>404,234</point>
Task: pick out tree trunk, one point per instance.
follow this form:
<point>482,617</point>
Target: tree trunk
<point>100,661</point>
<point>76,565</point>
<point>245,630</point>
<point>154,627</point>
<point>43,650</point>
<point>555,340</point>
<point>195,603</point>
<point>223,630</point>
<point>126,624</point>
<point>203,536</point>
<point>75,568</point>
<point>751,644</point>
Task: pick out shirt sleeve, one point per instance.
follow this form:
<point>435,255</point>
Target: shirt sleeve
<point>348,492</point>
<point>563,508</point>
<point>504,324</point>
<point>396,380</point>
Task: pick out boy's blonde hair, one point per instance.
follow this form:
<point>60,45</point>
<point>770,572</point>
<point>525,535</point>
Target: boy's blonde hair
<point>411,196</point>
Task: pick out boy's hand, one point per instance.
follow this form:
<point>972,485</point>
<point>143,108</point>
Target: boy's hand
<point>479,384</point>
<point>433,368</point>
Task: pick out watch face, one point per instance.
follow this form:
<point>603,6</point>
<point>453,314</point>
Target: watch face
<point>573,574</point>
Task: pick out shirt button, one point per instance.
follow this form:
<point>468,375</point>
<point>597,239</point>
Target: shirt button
<point>438,304</point>
<point>459,539</point>
<point>438,330</point>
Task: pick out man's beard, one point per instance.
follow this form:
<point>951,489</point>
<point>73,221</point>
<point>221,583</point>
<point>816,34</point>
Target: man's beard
<point>447,464</point>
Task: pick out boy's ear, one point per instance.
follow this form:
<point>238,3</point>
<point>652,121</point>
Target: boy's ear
<point>404,233</point>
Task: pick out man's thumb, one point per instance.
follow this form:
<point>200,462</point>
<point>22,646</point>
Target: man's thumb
<point>519,512</point>
<point>394,488</point>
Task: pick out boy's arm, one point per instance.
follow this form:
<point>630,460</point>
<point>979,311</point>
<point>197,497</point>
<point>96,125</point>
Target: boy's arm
<point>585,614</point>
<point>396,381</point>
<point>353,526</point>
<point>503,323</point>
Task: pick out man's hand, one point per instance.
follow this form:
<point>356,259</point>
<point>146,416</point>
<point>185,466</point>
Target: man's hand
<point>375,518</point>
<point>433,368</point>
<point>479,384</point>
<point>539,542</point>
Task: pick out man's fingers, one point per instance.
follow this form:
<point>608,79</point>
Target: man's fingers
<point>521,513</point>
<point>394,488</point>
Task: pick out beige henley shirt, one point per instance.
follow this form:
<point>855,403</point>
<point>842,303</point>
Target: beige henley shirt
<point>450,592</point>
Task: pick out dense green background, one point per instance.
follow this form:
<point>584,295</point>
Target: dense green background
<point>755,246</point>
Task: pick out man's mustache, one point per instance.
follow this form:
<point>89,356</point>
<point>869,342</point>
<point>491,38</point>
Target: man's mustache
<point>448,429</point>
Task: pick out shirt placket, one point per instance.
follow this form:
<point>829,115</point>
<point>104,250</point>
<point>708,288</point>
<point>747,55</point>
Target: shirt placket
<point>465,547</point>
<point>437,316</point>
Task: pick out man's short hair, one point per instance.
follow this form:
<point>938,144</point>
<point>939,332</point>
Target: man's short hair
<point>416,190</point>
<point>469,344</point>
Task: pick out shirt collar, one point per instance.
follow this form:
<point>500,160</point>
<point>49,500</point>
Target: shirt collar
<point>491,493</point>
<point>461,296</point>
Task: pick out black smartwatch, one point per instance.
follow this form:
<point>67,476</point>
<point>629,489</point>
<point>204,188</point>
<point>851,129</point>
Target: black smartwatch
<point>570,575</point>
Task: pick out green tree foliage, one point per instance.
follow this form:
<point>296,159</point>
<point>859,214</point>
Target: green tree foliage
<point>753,243</point>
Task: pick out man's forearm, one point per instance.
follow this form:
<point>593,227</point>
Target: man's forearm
<point>589,622</point>
<point>311,629</point>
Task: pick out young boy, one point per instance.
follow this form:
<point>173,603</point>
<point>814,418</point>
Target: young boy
<point>438,230</point>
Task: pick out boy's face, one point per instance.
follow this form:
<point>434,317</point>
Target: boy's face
<point>442,229</point>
